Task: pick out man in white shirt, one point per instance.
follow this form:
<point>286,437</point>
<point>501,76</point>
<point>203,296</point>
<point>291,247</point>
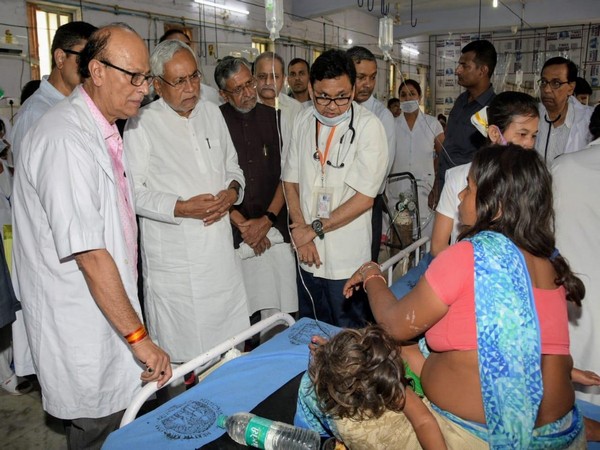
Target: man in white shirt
<point>269,93</point>
<point>186,177</point>
<point>298,74</point>
<point>75,245</point>
<point>564,120</point>
<point>68,41</point>
<point>335,168</point>
<point>576,180</point>
<point>366,80</point>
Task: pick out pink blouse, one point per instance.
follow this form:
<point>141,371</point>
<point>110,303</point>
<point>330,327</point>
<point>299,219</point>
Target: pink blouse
<point>451,277</point>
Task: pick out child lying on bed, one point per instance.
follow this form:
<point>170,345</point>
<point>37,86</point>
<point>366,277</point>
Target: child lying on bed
<point>357,377</point>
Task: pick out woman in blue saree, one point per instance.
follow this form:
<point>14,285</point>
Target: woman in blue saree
<point>493,310</point>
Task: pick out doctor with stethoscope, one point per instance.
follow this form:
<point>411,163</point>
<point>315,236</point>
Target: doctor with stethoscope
<point>564,121</point>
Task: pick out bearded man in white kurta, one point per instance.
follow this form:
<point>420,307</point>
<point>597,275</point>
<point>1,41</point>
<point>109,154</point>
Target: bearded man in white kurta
<point>186,177</point>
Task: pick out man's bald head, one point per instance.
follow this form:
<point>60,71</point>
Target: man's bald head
<point>115,69</point>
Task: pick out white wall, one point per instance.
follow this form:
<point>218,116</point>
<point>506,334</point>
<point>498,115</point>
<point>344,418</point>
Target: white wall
<point>232,31</point>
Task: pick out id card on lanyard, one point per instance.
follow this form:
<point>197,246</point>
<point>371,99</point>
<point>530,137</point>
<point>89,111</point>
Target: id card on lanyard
<point>323,196</point>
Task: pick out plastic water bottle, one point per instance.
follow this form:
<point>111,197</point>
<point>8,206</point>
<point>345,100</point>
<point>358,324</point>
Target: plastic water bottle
<point>249,429</point>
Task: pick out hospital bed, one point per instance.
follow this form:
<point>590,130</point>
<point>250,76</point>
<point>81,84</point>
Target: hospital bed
<point>264,381</point>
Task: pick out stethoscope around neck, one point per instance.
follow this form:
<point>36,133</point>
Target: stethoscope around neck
<point>337,165</point>
<point>550,123</point>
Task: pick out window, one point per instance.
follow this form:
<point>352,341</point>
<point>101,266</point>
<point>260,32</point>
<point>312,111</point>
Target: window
<point>261,45</point>
<point>43,21</point>
<point>316,53</point>
<point>393,92</point>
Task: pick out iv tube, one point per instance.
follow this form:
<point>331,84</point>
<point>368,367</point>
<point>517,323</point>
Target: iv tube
<point>386,35</point>
<point>274,17</point>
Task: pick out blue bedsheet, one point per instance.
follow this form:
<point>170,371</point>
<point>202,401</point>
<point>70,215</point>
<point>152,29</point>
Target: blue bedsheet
<point>189,420</point>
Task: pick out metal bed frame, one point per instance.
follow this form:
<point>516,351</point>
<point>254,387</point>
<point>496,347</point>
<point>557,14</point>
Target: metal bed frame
<point>208,359</point>
<point>203,361</point>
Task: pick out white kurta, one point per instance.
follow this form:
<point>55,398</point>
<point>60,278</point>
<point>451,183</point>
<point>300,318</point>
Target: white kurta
<point>193,287</point>
<point>291,110</point>
<point>387,120</point>
<point>65,202</point>
<point>364,169</point>
<point>577,206</point>
<point>414,154</point>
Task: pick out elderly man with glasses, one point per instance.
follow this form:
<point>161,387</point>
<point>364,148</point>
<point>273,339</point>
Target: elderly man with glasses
<point>186,177</point>
<point>75,245</point>
<point>564,120</point>
<point>260,229</point>
<point>335,167</point>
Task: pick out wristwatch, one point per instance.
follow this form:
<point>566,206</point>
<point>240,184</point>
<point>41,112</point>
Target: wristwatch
<point>317,227</point>
<point>272,217</point>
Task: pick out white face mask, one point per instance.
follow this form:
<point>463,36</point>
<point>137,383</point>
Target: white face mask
<point>409,106</point>
<point>332,121</point>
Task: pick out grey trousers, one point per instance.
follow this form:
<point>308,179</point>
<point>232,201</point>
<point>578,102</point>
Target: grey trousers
<point>90,434</point>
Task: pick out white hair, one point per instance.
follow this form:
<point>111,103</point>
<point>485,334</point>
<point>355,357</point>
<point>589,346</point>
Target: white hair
<point>164,52</point>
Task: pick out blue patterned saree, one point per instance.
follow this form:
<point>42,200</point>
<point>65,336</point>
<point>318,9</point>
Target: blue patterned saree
<point>509,345</point>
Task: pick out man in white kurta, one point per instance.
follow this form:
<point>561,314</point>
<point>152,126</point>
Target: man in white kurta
<point>269,92</point>
<point>330,191</point>
<point>366,80</point>
<point>181,155</point>
<point>576,179</point>
<point>74,246</point>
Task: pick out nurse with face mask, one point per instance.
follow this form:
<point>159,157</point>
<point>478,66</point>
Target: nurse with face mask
<point>419,138</point>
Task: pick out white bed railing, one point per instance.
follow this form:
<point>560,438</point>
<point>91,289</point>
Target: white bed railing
<point>388,265</point>
<point>203,359</point>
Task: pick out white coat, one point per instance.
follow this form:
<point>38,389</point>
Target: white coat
<point>193,287</point>
<point>577,121</point>
<point>358,165</point>
<point>65,202</point>
<point>576,179</point>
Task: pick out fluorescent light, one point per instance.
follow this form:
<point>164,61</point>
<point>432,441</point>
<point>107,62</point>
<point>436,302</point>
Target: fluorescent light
<point>226,8</point>
<point>349,41</point>
<point>495,3</point>
<point>410,50</point>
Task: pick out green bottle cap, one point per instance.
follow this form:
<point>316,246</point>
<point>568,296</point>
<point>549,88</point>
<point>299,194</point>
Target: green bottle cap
<point>221,420</point>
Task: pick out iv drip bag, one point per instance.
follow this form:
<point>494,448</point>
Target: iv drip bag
<point>274,17</point>
<point>386,35</point>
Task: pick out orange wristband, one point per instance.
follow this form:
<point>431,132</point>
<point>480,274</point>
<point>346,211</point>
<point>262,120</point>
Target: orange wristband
<point>137,335</point>
<point>370,277</point>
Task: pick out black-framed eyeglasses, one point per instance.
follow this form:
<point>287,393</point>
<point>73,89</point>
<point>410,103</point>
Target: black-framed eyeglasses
<point>137,79</point>
<point>250,84</point>
<point>326,101</point>
<point>71,52</point>
<point>554,84</point>
<point>179,83</point>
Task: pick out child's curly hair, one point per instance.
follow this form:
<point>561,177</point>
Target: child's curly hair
<point>359,374</point>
